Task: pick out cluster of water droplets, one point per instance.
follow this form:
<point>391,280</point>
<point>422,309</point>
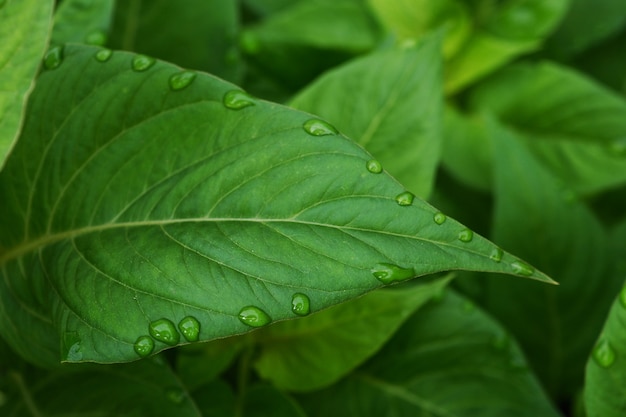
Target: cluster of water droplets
<point>164,330</point>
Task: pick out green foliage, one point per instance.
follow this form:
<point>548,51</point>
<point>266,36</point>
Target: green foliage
<point>202,204</point>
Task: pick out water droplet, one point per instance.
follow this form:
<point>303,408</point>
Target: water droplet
<point>97,38</point>
<point>144,346</point>
<point>374,166</point>
<point>190,328</point>
<point>300,304</point>
<point>603,353</point>
<point>73,343</point>
<point>496,254</point>
<point>103,55</point>
<point>622,297</point>
<point>164,331</point>
<point>254,316</point>
<point>439,218</point>
<point>181,80</point>
<point>237,100</point>
<point>142,62</point>
<point>405,198</point>
<point>388,273</point>
<point>317,127</point>
<point>522,268</point>
<point>53,58</point>
<point>175,395</point>
<point>466,235</point>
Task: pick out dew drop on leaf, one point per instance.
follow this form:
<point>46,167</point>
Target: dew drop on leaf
<point>254,316</point>
<point>144,346</point>
<point>466,235</point>
<point>53,58</point>
<point>142,62</point>
<point>374,166</point>
<point>405,199</point>
<point>164,331</point>
<point>522,268</point>
<point>317,127</point>
<point>496,255</point>
<point>97,38</point>
<point>237,100</point>
<point>439,218</point>
<point>74,351</point>
<point>103,55</point>
<point>603,353</point>
<point>300,304</point>
<point>181,80</point>
<point>190,328</point>
<point>388,273</point>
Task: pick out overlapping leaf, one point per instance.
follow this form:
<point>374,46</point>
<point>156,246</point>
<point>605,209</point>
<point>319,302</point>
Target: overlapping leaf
<point>449,359</point>
<point>24,28</point>
<point>390,102</point>
<point>146,196</point>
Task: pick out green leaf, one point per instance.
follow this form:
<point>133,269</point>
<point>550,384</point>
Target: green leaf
<point>195,34</point>
<point>82,21</point>
<point>200,364</point>
<point>137,205</point>
<point>414,19</point>
<point>24,30</point>
<point>504,32</point>
<point>390,102</point>
<point>215,399</point>
<point>298,43</point>
<point>448,359</point>
<point>313,352</point>
<point>599,18</point>
<point>578,130</point>
<point>139,389</point>
<point>605,377</point>
<point>267,401</point>
<point>541,219</point>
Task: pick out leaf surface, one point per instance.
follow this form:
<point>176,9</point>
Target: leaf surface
<point>449,359</point>
<point>134,207</point>
<point>82,21</point>
<point>24,30</point>
<point>577,129</point>
<point>605,376</point>
<point>130,390</point>
<point>313,352</point>
<point>562,235</point>
<point>390,102</point>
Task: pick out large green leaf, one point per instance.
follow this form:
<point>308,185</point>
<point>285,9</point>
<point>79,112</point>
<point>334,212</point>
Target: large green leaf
<point>196,34</point>
<point>82,21</point>
<point>145,388</point>
<point>313,352</point>
<point>538,217</point>
<point>141,198</point>
<point>449,359</point>
<point>390,102</point>
<point>24,30</point>
<point>267,401</point>
<point>605,378</point>
<point>574,126</point>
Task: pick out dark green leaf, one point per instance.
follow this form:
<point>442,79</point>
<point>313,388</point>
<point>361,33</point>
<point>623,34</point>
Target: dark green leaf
<point>449,359</point>
<point>195,34</point>
<point>145,388</point>
<point>215,399</point>
<point>599,18</point>
<point>573,125</point>
<point>390,103</point>
<point>133,206</point>
<point>200,364</point>
<point>313,352</point>
<point>538,217</point>
<point>605,378</point>
<point>82,21</point>
<point>24,30</point>
<point>267,401</point>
